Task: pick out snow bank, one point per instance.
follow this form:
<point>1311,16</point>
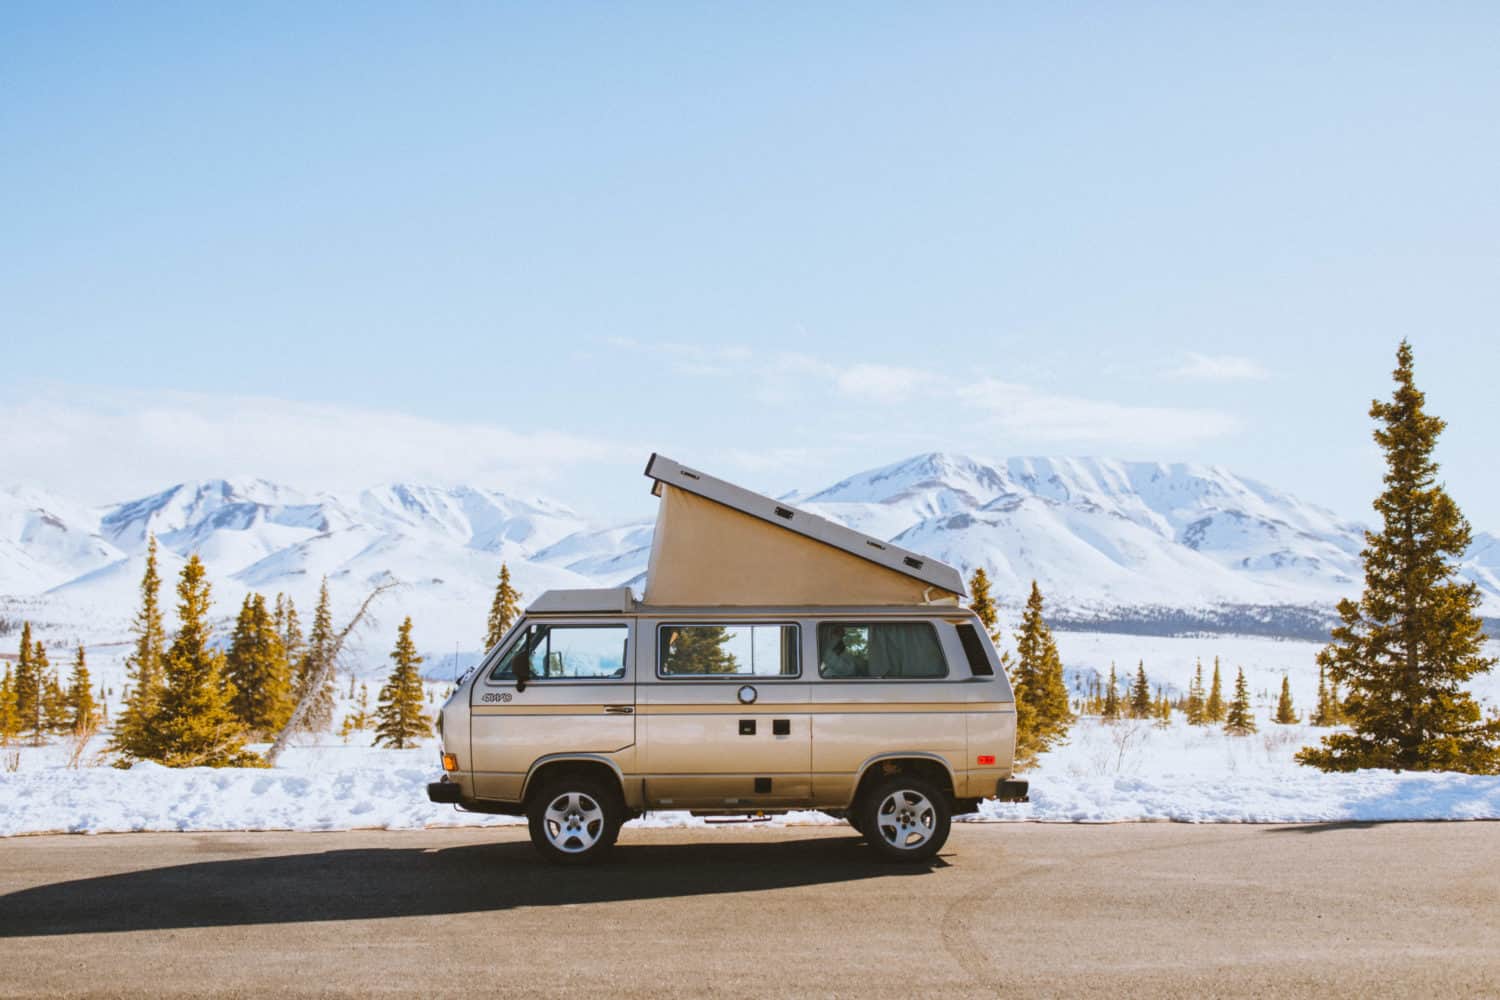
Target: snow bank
<point>1106,773</point>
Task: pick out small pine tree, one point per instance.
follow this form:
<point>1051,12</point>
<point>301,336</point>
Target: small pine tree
<point>134,734</point>
<point>28,684</point>
<point>44,706</point>
<point>10,714</point>
<point>1319,716</point>
<point>1406,649</point>
<point>399,719</point>
<point>1140,694</point>
<point>504,609</point>
<point>1239,720</point>
<point>1196,708</point>
<point>1111,708</point>
<point>1286,714</point>
<point>1213,708</point>
<point>1043,715</point>
<point>257,668</point>
<point>288,629</point>
<point>318,652</point>
<point>82,716</point>
<point>358,720</point>
<point>55,715</point>
<point>1163,709</point>
<point>195,725</point>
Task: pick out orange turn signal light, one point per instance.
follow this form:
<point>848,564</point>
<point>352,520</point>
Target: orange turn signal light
<point>450,762</point>
<point>985,759</point>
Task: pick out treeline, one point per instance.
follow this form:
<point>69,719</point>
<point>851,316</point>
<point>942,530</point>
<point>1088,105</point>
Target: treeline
<point>35,703</point>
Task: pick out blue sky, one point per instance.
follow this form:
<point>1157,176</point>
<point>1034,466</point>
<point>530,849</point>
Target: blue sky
<point>524,246</point>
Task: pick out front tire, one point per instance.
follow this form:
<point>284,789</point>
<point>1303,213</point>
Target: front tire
<point>575,821</point>
<point>905,818</point>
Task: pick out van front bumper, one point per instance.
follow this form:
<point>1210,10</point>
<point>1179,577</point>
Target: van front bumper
<point>1010,790</point>
<point>446,792</point>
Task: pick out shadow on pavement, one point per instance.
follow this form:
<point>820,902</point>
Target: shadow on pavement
<point>367,883</point>
<point>1348,824</point>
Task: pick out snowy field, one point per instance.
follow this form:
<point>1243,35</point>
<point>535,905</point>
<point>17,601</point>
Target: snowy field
<point>1126,772</point>
<point>1131,771</point>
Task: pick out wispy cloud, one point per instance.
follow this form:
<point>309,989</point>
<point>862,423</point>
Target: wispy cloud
<point>106,445</point>
<point>1218,368</point>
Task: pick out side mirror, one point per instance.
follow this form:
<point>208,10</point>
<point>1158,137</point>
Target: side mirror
<point>523,671</point>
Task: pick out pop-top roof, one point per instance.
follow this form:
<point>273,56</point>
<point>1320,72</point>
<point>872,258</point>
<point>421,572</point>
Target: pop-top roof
<point>721,544</point>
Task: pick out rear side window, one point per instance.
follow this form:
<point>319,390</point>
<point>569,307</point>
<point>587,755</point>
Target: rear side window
<point>568,652</point>
<point>702,650</point>
<point>979,663</point>
<point>879,651</point>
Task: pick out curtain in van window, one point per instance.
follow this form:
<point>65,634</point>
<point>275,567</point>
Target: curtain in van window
<point>905,649</point>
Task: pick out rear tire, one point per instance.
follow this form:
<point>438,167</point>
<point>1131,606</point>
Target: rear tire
<point>905,818</point>
<point>575,820</point>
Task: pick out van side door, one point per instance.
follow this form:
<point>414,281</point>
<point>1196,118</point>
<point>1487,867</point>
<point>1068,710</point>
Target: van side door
<point>724,721</point>
<point>563,686</point>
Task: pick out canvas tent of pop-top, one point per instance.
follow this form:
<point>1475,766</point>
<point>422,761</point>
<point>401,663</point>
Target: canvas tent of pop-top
<point>720,545</point>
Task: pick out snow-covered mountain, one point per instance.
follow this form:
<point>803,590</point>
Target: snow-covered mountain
<point>1127,544</point>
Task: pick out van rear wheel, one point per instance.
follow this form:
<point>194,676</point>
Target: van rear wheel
<point>905,818</point>
<point>575,821</point>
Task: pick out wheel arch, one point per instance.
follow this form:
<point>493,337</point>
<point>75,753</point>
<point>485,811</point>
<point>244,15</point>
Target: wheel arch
<point>928,765</point>
<point>552,765</point>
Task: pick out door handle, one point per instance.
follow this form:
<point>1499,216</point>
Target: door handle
<point>619,709</point>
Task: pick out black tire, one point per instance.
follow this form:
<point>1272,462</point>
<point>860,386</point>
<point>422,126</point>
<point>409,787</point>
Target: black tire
<point>575,820</point>
<point>853,819</point>
<point>905,818</point>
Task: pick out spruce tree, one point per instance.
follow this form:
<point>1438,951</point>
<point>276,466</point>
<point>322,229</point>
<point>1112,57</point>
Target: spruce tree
<point>1320,716</point>
<point>695,649</point>
<point>195,726</point>
<point>1197,704</point>
<point>256,666</point>
<point>399,719</point>
<point>983,604</point>
<point>55,715</point>
<point>288,629</point>
<point>28,684</point>
<point>1407,648</point>
<point>319,652</point>
<point>504,609</point>
<point>82,716</point>
<point>1213,709</point>
<point>1240,717</point>
<point>1163,709</point>
<point>1141,706</point>
<point>10,714</point>
<point>39,711</point>
<point>133,732</point>
<point>1286,714</point>
<point>1043,714</point>
<point>359,719</point>
<point>1111,710</point>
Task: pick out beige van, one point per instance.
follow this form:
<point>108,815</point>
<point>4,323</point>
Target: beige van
<point>864,691</point>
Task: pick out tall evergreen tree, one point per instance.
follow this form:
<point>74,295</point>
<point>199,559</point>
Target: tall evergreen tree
<point>10,714</point>
<point>1286,713</point>
<point>1140,694</point>
<point>257,667</point>
<point>1213,709</point>
<point>1111,710</point>
<point>1197,703</point>
<point>55,716</point>
<point>983,604</point>
<point>82,716</point>
<point>288,629</point>
<point>504,609</point>
<point>399,719</point>
<point>195,725</point>
<point>696,649</point>
<point>319,652</point>
<point>1043,714</point>
<point>28,684</point>
<point>1240,717</point>
<point>1407,648</point>
<point>133,732</point>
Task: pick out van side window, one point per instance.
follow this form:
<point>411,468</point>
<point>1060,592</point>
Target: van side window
<point>567,652</point>
<point>979,663</point>
<point>879,650</point>
<point>700,650</point>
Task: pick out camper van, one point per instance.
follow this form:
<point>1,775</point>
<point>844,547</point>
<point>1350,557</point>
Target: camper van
<point>775,661</point>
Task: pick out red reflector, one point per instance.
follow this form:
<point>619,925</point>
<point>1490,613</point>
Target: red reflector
<point>986,758</point>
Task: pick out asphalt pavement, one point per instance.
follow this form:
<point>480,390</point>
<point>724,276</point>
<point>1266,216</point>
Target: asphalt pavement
<point>1014,909</point>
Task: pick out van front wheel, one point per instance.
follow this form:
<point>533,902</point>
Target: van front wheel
<point>905,818</point>
<point>574,821</point>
